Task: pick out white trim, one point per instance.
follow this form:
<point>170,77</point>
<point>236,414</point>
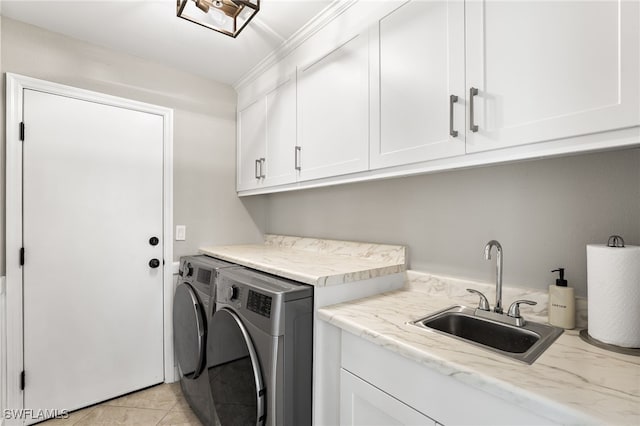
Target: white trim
<point>167,268</point>
<point>328,14</point>
<point>13,356</point>
<point>13,185</point>
<point>271,88</point>
<point>3,346</point>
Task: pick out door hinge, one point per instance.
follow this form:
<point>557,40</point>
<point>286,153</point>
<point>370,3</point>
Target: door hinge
<point>22,380</point>
<point>21,256</point>
<point>22,131</point>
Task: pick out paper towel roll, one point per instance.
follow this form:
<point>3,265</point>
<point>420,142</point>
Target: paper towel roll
<point>613,286</point>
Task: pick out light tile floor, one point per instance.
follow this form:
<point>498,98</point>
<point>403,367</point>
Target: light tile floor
<point>159,405</point>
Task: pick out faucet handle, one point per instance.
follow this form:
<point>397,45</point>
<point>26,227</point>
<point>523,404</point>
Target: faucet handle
<point>483,305</point>
<point>514,309</point>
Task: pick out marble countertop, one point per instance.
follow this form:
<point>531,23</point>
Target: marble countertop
<point>570,379</point>
<point>315,261</point>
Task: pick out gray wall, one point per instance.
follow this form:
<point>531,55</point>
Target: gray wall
<point>543,212</point>
<point>204,126</point>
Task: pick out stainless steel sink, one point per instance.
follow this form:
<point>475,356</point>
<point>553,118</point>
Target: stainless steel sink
<point>524,343</point>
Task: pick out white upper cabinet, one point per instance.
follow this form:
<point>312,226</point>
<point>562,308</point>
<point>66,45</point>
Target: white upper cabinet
<point>420,64</point>
<point>548,70</point>
<point>279,167</point>
<point>267,139</point>
<point>252,122</point>
<point>394,88</point>
<point>333,110</point>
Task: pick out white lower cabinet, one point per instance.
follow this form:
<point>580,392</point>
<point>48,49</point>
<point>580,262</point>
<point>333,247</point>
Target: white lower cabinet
<point>362,404</point>
<point>376,381</point>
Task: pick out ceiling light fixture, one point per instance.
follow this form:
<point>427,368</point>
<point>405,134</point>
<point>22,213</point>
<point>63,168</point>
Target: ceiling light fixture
<point>228,17</point>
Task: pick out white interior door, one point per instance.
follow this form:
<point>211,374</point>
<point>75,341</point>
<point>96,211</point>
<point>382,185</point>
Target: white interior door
<point>92,199</point>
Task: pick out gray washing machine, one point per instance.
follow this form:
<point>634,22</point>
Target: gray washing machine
<point>260,350</point>
<point>192,306</point>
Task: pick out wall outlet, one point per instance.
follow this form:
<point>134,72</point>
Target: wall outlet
<point>181,232</point>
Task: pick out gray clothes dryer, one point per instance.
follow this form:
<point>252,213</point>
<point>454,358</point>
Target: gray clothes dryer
<point>259,350</point>
<point>192,305</point>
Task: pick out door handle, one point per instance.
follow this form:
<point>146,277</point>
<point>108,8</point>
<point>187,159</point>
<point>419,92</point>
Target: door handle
<point>257,170</point>
<point>154,241</point>
<point>297,158</point>
<point>472,126</point>
<point>154,263</point>
<point>452,100</point>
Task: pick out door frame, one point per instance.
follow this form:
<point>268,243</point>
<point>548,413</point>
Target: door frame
<point>11,352</point>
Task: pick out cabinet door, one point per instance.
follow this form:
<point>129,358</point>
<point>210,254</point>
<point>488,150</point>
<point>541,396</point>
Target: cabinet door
<point>362,404</point>
<point>279,167</point>
<point>333,111</point>
<point>546,70</point>
<point>420,66</point>
<point>252,122</point>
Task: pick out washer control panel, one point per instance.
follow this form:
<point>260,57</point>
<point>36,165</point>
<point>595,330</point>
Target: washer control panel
<point>259,303</point>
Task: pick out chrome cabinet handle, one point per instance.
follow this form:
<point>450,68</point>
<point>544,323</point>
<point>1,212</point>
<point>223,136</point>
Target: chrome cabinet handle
<point>262,173</point>
<point>472,126</point>
<point>258,171</point>
<point>452,100</point>
<point>297,158</point>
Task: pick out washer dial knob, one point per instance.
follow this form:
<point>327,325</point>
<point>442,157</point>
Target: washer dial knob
<point>232,292</point>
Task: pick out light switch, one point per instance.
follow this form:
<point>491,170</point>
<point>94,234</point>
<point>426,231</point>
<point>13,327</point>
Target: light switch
<point>181,232</point>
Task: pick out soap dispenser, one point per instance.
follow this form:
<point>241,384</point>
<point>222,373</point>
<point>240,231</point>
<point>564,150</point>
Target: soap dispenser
<point>562,303</point>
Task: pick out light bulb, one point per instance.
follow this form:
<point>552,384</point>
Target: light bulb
<point>218,16</point>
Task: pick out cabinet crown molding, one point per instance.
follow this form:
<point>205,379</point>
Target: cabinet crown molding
<point>328,14</point>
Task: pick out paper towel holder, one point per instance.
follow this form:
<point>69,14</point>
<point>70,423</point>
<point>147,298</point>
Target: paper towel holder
<point>584,335</point>
<point>615,241</point>
<point>618,242</point>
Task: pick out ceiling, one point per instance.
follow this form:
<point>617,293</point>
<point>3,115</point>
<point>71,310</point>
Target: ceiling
<point>150,29</point>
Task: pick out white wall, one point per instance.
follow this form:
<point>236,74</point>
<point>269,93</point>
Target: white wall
<point>543,212</point>
<point>204,126</point>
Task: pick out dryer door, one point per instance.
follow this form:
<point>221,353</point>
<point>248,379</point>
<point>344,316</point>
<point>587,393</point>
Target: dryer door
<point>189,332</point>
<point>235,377</point>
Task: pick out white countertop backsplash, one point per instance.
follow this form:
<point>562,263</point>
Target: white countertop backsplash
<point>315,261</point>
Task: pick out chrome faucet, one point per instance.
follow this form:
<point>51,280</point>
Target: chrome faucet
<point>487,255</point>
<point>483,310</point>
